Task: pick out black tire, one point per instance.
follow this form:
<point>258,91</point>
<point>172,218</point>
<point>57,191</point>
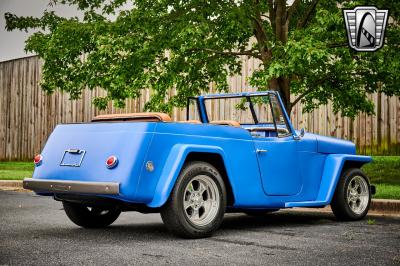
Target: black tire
<point>340,202</point>
<point>176,217</point>
<point>259,213</point>
<point>90,217</point>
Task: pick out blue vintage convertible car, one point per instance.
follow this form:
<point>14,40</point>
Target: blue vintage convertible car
<point>235,152</point>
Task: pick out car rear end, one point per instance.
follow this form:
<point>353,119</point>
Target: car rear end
<point>97,159</point>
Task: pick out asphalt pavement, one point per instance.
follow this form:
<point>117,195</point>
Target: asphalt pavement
<point>35,231</point>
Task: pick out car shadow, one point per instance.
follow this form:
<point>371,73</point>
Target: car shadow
<point>153,231</point>
<point>276,220</point>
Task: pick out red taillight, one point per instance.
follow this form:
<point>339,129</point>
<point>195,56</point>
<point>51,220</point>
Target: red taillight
<point>111,162</point>
<point>38,159</point>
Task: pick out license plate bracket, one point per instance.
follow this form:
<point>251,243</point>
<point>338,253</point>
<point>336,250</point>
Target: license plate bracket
<point>72,157</point>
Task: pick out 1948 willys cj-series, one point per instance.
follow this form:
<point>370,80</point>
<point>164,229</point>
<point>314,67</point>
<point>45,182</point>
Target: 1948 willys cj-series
<point>235,152</point>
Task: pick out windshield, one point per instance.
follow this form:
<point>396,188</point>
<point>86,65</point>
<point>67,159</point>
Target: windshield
<point>245,110</point>
<point>257,110</point>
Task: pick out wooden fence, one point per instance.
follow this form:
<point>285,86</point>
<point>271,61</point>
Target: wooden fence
<point>28,115</point>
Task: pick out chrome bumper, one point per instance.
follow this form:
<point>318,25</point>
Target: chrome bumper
<point>68,186</point>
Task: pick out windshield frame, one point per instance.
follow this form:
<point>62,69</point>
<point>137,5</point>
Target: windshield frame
<point>198,103</point>
<point>202,110</point>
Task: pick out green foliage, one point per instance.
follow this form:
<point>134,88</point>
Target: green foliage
<point>189,44</point>
<point>371,221</point>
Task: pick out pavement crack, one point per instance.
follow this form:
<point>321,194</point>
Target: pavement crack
<point>270,232</point>
<point>249,243</point>
<point>154,255</point>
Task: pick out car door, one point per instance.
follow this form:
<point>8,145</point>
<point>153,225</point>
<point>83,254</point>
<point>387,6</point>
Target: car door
<point>279,165</point>
<point>277,152</point>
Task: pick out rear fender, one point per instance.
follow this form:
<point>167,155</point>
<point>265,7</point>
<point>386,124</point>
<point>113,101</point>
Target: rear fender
<point>172,168</point>
<point>334,164</point>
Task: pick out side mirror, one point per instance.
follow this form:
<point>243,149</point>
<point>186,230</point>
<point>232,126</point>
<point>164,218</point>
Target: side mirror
<point>302,132</point>
<point>298,137</point>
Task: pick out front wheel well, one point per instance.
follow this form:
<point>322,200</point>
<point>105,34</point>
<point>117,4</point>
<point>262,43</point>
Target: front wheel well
<point>217,161</point>
<point>352,164</point>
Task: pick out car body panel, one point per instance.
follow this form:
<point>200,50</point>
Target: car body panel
<point>99,141</point>
<point>172,168</point>
<point>331,174</point>
<point>331,145</point>
<point>228,142</point>
<point>263,172</point>
<point>271,151</point>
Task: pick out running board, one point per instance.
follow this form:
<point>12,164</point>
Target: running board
<point>306,204</point>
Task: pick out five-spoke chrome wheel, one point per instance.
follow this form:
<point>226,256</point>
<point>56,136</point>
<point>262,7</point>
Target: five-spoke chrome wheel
<point>201,200</point>
<point>352,197</point>
<point>197,203</point>
<point>358,194</point>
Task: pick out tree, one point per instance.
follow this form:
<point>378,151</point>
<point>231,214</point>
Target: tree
<point>186,45</point>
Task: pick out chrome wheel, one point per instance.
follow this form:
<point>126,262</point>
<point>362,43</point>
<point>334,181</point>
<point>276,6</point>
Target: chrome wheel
<point>358,194</point>
<point>201,200</point>
<point>197,203</point>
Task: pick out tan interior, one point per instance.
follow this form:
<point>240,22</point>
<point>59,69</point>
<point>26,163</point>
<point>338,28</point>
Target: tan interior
<point>190,121</point>
<point>155,117</point>
<point>232,123</point>
<point>138,117</point>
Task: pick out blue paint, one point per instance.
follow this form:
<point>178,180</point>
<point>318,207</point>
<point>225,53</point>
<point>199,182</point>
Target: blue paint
<point>330,177</point>
<point>292,173</point>
<point>287,166</point>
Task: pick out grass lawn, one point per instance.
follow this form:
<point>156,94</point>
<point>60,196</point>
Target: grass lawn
<point>15,170</point>
<point>384,173</point>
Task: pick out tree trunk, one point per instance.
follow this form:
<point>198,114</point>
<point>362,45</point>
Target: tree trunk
<point>279,20</point>
<point>282,84</point>
<point>284,90</point>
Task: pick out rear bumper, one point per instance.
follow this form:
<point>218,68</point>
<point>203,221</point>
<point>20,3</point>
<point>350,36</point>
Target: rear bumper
<point>68,186</point>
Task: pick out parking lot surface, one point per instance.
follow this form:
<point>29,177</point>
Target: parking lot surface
<point>35,231</point>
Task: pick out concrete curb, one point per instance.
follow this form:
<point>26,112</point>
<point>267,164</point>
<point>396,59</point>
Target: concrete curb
<point>385,206</point>
<point>377,205</point>
<point>11,183</point>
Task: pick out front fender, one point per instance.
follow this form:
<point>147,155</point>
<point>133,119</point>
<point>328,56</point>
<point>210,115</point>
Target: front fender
<point>332,170</point>
<point>172,168</point>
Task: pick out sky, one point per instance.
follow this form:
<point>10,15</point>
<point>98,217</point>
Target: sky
<point>12,43</point>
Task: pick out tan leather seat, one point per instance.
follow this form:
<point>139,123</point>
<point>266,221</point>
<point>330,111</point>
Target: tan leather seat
<point>232,123</point>
<point>193,121</point>
<point>137,117</point>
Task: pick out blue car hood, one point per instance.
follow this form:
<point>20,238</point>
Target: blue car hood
<point>331,145</point>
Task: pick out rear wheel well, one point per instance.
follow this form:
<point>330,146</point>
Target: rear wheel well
<point>215,160</point>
